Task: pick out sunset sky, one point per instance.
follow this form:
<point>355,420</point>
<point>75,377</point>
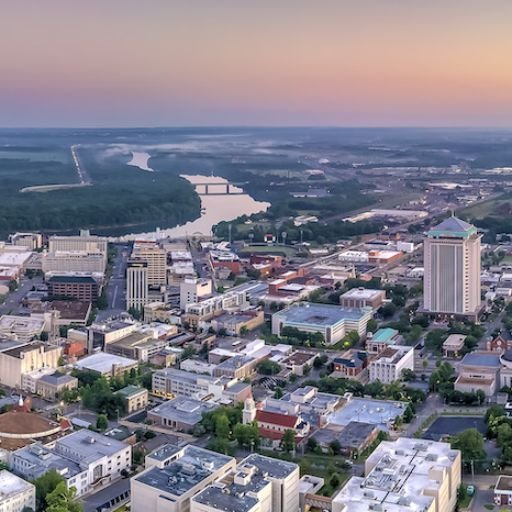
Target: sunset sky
<point>262,62</point>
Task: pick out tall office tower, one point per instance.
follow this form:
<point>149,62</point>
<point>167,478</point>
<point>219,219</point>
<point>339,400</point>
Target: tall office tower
<point>452,269</point>
<point>156,258</point>
<point>136,284</point>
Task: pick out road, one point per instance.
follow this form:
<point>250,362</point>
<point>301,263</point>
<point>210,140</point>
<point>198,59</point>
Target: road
<point>116,286</point>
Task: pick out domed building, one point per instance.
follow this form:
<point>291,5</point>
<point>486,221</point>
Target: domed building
<point>20,427</point>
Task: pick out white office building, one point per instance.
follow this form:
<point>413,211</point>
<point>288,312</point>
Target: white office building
<point>137,291</point>
<point>389,364</point>
<point>192,290</point>
<point>87,460</point>
<point>452,269</point>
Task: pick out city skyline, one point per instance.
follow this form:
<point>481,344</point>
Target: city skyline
<point>342,63</point>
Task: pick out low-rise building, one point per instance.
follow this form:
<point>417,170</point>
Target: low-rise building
<point>381,339</point>
<point>135,398</point>
<point>352,438</point>
<point>332,322</point>
<point>363,297</point>
<point>181,413</point>
<point>453,345</point>
<point>137,345</point>
<point>185,473</point>
<point>233,324</point>
<point>503,491</point>
<point>389,364</point>
<point>479,370</point>
<point>108,365</point>
<point>22,328</point>
<point>350,364</point>
<point>52,386</point>
<point>16,494</point>
<point>87,460</point>
<point>299,362</point>
<point>406,474</point>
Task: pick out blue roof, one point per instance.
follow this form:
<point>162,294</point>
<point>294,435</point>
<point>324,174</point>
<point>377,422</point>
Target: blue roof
<point>482,359</point>
<point>384,335</point>
<point>319,314</point>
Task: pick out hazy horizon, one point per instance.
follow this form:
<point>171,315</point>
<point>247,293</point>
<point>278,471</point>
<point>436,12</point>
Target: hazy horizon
<point>334,63</point>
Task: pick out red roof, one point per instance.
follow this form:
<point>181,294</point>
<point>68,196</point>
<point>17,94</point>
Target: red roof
<point>275,435</point>
<point>276,418</point>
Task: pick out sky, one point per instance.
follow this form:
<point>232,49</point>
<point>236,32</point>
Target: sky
<point>256,62</point>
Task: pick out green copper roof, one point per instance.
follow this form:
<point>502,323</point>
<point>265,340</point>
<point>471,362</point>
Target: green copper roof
<point>452,226</point>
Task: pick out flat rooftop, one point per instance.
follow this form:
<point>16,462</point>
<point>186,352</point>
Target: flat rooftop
<point>103,362</point>
<point>86,446</point>
<point>10,485</point>
<point>274,468</point>
<point>384,335</point>
<point>186,472</point>
<point>362,294</point>
<point>485,359</point>
<point>183,409</point>
<point>318,314</point>
<point>400,479</point>
<point>366,410</point>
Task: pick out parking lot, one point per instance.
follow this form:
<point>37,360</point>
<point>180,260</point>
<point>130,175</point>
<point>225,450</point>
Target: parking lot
<point>453,425</point>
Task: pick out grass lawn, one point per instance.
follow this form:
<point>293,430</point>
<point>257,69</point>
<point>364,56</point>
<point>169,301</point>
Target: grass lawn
<point>483,209</point>
<point>287,250</point>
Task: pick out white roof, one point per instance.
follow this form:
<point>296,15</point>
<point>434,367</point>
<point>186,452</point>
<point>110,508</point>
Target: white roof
<point>10,485</point>
<point>102,362</point>
<point>14,259</point>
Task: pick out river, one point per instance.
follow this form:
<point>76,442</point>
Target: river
<point>214,209</point>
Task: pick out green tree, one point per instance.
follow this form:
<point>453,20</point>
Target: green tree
<point>288,441</point>
<point>222,427</point>
<point>311,444</point>
<point>335,447</point>
<point>62,499</point>
<point>247,436</point>
<point>471,444</point>
<point>101,422</point>
<point>268,367</point>
<point>45,485</point>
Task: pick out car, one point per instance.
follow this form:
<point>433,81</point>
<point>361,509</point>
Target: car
<point>470,489</point>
